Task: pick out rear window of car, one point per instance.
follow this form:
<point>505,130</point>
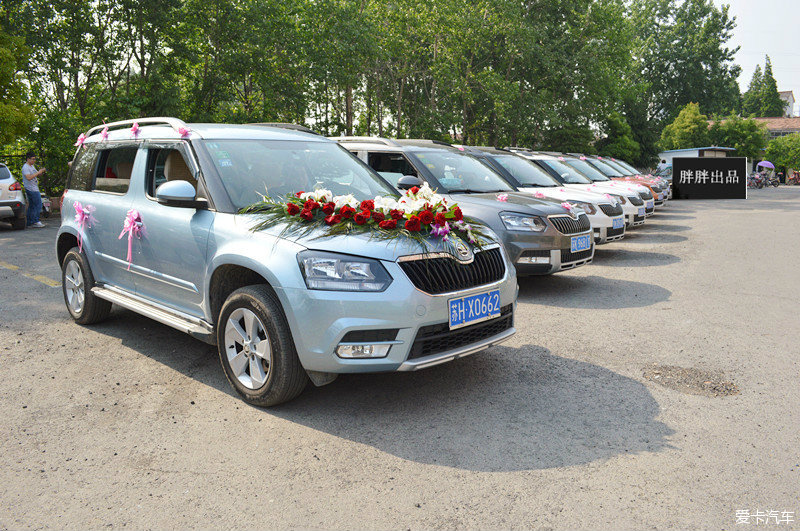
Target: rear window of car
<point>4,173</point>
<point>82,170</point>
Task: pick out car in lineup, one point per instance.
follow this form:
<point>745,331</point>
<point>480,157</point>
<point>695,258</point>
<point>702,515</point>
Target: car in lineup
<point>617,173</point>
<point>540,237</point>
<point>283,307</point>
<point>604,210</point>
<point>13,203</point>
<point>635,174</point>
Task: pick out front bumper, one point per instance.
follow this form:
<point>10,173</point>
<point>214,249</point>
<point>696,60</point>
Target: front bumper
<point>602,226</point>
<point>544,255</point>
<point>320,320</point>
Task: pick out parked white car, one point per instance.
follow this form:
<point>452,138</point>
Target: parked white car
<point>13,203</point>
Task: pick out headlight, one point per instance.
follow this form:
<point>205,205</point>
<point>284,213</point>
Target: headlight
<point>620,198</point>
<point>522,222</point>
<point>338,272</point>
<point>587,207</point>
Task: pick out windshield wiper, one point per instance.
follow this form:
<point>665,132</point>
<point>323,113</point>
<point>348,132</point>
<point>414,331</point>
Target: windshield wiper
<point>467,191</point>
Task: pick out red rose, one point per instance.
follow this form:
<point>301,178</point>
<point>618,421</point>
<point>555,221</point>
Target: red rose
<point>306,214</point>
<point>333,220</point>
<point>328,208</point>
<point>311,205</point>
<point>396,214</point>
<point>457,214</point>
<point>388,224</point>
<point>347,211</point>
<point>298,194</point>
<point>292,209</point>
<point>426,217</point>
<point>378,216</point>
<point>362,217</point>
<point>414,190</point>
<point>413,224</point>
<point>440,219</point>
<point>369,204</point>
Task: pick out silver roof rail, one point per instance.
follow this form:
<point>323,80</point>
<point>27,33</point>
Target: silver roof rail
<point>175,123</point>
<point>284,125</point>
<point>365,139</point>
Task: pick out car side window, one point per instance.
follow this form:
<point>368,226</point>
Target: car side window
<point>113,174</point>
<point>82,169</point>
<point>166,164</point>
<point>391,166</point>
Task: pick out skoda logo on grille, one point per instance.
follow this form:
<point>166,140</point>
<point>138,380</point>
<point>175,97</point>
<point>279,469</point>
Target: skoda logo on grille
<point>463,251</point>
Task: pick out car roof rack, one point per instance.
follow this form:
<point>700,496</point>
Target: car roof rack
<point>175,123</point>
<point>425,141</point>
<point>366,140</point>
<point>285,125</point>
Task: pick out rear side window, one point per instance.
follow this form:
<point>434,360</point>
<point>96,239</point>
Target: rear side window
<point>4,173</point>
<point>114,170</point>
<point>391,166</point>
<point>82,170</point>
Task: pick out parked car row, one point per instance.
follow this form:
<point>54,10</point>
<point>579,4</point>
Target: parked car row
<point>288,306</point>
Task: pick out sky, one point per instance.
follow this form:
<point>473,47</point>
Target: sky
<point>767,27</point>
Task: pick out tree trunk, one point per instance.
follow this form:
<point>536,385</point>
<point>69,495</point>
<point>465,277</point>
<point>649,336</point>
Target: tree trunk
<point>348,111</point>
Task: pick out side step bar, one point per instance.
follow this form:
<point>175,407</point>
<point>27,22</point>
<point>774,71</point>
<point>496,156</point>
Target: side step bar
<point>191,325</point>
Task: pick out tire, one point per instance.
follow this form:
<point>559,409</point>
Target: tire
<point>19,223</point>
<point>76,284</point>
<point>266,372</point>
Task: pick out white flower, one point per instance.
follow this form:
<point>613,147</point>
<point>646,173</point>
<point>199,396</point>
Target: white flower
<point>349,200</point>
<point>319,195</point>
<point>385,203</point>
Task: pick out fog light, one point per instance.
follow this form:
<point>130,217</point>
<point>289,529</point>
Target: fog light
<point>353,351</point>
<point>533,260</point>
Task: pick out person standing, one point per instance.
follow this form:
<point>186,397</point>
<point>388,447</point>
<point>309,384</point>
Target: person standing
<point>661,166</point>
<point>30,178</point>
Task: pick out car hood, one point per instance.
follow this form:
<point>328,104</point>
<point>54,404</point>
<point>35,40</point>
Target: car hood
<point>622,186</point>
<point>570,192</point>
<point>516,201</point>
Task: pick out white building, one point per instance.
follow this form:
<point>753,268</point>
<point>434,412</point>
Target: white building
<point>710,151</point>
<point>788,103</point>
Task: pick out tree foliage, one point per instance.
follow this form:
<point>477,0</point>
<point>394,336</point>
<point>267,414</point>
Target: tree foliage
<point>15,113</point>
<point>688,130</point>
<point>784,151</point>
<point>618,142</point>
<point>748,136</point>
<point>762,98</point>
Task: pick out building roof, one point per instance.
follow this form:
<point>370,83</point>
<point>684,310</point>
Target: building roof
<point>718,148</point>
<point>780,124</point>
<point>786,93</point>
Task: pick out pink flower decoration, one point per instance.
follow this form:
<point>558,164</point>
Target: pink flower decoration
<point>562,190</point>
<point>539,195</point>
<point>583,158</point>
<point>608,196</point>
<point>81,140</point>
<point>503,198</point>
<point>135,129</point>
<point>566,206</point>
<point>440,230</point>
<point>184,132</point>
<point>599,157</point>
<point>134,226</point>
<point>561,159</point>
<point>84,219</point>
<point>104,133</point>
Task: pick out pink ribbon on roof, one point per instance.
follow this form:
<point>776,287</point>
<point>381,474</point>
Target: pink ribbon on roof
<point>503,198</point>
<point>184,132</point>
<point>539,195</point>
<point>84,219</point>
<point>583,158</point>
<point>80,141</point>
<point>134,226</point>
<point>135,129</point>
<point>104,133</point>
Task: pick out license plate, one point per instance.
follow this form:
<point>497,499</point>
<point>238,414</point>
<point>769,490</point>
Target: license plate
<point>580,243</point>
<point>660,197</point>
<point>641,211</point>
<point>617,223</point>
<point>650,204</point>
<point>474,309</point>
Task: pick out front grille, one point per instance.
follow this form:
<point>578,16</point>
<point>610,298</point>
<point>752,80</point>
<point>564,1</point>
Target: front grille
<point>649,210</point>
<point>441,275</point>
<point>647,196</point>
<point>656,189</point>
<point>536,252</point>
<point>637,218</point>
<point>610,210</point>
<point>610,233</point>
<point>567,225</point>
<point>568,256</point>
<point>434,339</point>
<point>636,201</point>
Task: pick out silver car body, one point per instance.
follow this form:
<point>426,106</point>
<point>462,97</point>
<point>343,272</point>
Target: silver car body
<point>13,202</point>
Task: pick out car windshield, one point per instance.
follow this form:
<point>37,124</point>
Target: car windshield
<point>607,170</point>
<point>568,174</point>
<point>624,165</point>
<point>250,168</point>
<point>587,169</point>
<point>461,173</point>
<point>524,171</point>
<point>4,173</point>
<point>618,167</point>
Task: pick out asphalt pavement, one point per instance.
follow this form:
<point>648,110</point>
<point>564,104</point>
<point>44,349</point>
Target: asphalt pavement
<point>656,388</point>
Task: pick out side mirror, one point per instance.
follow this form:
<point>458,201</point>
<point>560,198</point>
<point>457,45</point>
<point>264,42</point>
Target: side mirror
<point>179,194</point>
<point>407,182</point>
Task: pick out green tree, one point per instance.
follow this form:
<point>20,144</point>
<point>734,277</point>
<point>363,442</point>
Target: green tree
<point>688,130</point>
<point>784,151</point>
<point>771,103</point>
<point>618,141</point>
<point>748,136</point>
<point>751,100</point>
<point>15,112</point>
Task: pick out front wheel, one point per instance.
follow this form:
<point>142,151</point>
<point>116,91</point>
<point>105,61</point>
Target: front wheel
<point>256,349</point>
<point>76,283</point>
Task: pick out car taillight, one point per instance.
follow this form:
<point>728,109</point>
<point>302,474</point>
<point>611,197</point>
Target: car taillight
<point>15,187</point>
<point>61,201</point>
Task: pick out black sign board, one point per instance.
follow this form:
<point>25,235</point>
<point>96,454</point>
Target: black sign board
<point>709,178</point>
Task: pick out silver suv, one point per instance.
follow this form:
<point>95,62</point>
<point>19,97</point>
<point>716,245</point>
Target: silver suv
<point>13,203</point>
<point>281,308</point>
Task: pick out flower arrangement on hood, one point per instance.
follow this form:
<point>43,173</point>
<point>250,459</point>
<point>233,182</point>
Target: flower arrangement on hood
<point>419,213</point>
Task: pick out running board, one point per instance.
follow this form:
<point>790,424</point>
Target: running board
<point>191,325</point>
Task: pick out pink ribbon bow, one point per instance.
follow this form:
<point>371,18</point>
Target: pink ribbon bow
<point>104,133</point>
<point>583,158</point>
<point>503,198</point>
<point>539,195</point>
<point>561,159</point>
<point>84,219</point>
<point>135,129</point>
<point>184,132</point>
<point>134,227</point>
<point>566,206</point>
<point>81,140</point>
<point>608,196</point>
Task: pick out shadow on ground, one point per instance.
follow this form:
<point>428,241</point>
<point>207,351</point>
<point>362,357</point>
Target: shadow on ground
<point>625,258</point>
<point>653,237</point>
<point>591,292</point>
